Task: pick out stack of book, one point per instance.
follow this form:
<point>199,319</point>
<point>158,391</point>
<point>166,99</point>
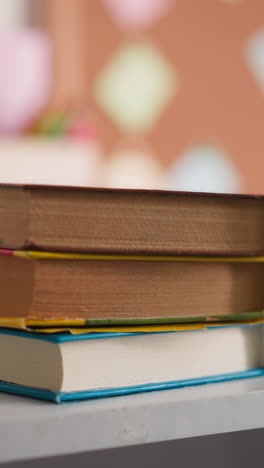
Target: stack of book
<point>110,292</point>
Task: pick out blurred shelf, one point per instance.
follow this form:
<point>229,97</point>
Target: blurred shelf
<point>48,161</point>
<point>31,428</point>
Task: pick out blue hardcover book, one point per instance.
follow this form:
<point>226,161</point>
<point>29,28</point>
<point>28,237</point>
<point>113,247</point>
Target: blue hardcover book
<point>63,367</point>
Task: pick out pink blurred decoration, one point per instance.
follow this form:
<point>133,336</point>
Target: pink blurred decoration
<point>136,13</point>
<point>25,77</point>
<point>82,129</point>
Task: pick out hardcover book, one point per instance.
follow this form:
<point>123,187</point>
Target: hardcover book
<point>130,221</point>
<point>43,285</point>
<point>65,368</point>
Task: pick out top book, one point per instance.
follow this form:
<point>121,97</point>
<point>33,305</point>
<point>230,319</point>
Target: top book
<point>120,221</point>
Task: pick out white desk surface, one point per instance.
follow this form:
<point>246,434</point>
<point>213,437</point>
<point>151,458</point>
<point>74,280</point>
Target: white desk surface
<point>31,428</point>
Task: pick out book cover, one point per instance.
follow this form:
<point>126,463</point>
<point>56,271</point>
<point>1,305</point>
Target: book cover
<point>63,397</point>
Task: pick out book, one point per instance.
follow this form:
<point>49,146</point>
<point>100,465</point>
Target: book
<point>130,221</point>
<point>63,367</point>
<point>50,286</point>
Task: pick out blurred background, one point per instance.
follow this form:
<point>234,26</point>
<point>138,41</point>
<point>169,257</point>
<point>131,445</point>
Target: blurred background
<point>161,94</point>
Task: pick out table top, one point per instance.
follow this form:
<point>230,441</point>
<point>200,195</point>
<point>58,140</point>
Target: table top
<point>31,428</point>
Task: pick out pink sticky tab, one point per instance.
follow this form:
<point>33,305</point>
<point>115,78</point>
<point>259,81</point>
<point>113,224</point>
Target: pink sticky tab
<point>7,252</point>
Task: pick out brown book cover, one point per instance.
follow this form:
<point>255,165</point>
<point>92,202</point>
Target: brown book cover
<point>46,286</point>
<point>148,222</point>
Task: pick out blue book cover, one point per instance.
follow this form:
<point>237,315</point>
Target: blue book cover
<point>64,397</point>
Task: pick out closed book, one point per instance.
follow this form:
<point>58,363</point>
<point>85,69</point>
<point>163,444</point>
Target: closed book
<point>101,288</point>
<point>130,221</point>
<point>65,368</point>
